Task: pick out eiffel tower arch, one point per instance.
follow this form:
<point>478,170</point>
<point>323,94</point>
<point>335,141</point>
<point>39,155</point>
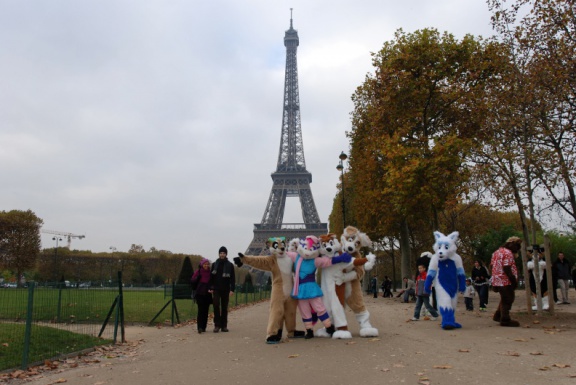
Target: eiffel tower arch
<point>291,179</point>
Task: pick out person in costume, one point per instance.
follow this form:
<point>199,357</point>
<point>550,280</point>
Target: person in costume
<point>505,280</point>
<point>447,273</point>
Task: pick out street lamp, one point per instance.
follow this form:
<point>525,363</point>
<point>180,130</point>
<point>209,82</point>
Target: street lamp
<point>56,262</point>
<point>340,168</point>
<point>110,276</point>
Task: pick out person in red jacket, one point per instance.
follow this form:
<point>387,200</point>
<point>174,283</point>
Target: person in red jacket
<point>421,297</point>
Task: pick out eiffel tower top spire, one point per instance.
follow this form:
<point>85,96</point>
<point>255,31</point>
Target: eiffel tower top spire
<point>291,154</point>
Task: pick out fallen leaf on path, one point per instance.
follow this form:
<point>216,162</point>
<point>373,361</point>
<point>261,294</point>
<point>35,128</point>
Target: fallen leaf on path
<point>544,368</point>
<point>511,354</point>
<point>561,366</point>
<point>536,322</point>
<point>464,350</point>
<point>374,339</point>
<point>573,375</point>
<point>60,381</point>
<point>293,355</point>
<point>350,342</point>
<point>398,365</point>
<point>423,382</point>
<point>442,366</point>
<point>520,339</point>
<point>385,370</point>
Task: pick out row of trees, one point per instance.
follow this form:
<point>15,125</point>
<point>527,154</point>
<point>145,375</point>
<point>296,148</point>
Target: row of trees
<point>448,134</point>
<point>21,258</point>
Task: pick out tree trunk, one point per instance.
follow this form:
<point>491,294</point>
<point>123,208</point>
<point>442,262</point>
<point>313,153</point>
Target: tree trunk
<point>405,249</point>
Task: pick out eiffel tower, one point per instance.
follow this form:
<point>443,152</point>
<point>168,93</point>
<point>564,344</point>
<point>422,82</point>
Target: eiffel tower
<point>291,177</point>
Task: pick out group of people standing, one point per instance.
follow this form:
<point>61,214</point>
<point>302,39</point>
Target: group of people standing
<point>214,284</point>
<point>503,279</point>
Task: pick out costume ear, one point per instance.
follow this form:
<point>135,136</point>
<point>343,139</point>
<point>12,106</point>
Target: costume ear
<point>454,236</point>
<point>365,240</point>
<point>438,235</point>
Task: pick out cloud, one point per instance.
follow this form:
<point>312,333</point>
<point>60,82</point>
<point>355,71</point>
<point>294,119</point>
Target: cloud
<point>159,123</point>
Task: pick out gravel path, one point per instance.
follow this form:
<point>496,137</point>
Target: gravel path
<point>540,351</point>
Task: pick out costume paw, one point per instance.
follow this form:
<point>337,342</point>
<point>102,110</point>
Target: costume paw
<point>275,339</point>
<point>371,262</point>
<point>368,332</point>
<point>342,335</point>
<point>451,326</point>
<point>238,260</point>
<point>338,277</point>
<point>322,333</point>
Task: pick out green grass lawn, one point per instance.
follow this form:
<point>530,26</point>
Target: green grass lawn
<point>92,305</point>
<point>46,343</point>
<point>69,320</point>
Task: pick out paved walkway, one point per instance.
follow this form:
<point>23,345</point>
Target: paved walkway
<point>405,353</point>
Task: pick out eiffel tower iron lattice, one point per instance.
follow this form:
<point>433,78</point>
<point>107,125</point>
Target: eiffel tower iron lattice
<point>291,177</point>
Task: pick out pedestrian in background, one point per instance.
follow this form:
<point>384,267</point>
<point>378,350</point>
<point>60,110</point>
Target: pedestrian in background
<point>481,281</point>
<point>408,290</point>
<point>374,284</point>
<point>421,297</point>
<point>469,295</point>
<point>222,285</point>
<point>562,267</point>
<point>387,287</point>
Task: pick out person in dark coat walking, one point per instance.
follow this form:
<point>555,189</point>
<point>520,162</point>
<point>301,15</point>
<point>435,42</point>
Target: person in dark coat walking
<point>387,287</point>
<point>222,285</point>
<point>481,281</point>
<point>562,267</point>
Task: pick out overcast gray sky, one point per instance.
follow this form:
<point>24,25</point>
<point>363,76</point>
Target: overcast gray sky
<point>158,122</point>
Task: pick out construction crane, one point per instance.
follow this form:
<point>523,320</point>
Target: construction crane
<point>68,236</point>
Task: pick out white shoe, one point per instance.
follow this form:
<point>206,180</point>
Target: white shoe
<point>433,318</point>
<point>415,319</point>
<point>558,302</point>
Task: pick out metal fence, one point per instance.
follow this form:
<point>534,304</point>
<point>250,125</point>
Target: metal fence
<point>48,321</point>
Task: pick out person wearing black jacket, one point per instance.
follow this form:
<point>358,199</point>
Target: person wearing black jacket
<point>222,285</point>
<point>562,267</point>
<point>481,281</point>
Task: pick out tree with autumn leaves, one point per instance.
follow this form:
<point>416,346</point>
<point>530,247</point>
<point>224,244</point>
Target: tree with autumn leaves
<point>19,241</point>
<point>445,125</point>
<point>413,124</point>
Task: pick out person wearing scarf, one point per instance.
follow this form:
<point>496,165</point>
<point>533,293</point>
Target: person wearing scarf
<point>203,297</point>
<point>222,285</point>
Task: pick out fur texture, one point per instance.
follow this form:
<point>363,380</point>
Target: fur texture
<point>352,240</point>
<point>446,272</point>
<point>282,305</point>
<point>541,280</point>
<point>332,277</point>
<point>306,290</point>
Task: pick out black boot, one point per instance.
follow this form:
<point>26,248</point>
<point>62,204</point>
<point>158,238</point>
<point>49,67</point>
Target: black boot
<point>309,334</point>
<point>330,330</point>
<point>299,334</point>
